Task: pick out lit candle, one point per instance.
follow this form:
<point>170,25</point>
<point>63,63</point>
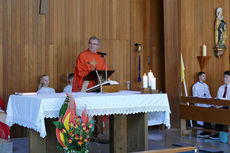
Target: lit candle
<point>145,81</point>
<point>204,50</point>
<point>150,78</point>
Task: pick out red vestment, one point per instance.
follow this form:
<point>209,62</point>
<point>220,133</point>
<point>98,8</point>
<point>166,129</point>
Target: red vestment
<point>83,67</point>
<point>4,129</point>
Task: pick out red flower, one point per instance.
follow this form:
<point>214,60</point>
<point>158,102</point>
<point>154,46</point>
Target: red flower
<point>71,134</point>
<point>80,137</point>
<point>91,125</point>
<point>85,140</point>
<point>84,127</point>
<point>69,140</point>
<point>63,131</point>
<point>76,137</point>
<point>80,142</point>
<point>87,130</point>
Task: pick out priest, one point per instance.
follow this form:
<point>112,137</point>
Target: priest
<point>87,60</point>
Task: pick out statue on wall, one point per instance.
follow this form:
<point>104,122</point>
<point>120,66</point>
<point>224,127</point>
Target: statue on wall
<point>220,33</point>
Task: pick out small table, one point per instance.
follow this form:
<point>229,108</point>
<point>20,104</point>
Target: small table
<point>127,109</point>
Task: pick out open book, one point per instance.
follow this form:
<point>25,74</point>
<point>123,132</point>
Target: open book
<point>109,82</point>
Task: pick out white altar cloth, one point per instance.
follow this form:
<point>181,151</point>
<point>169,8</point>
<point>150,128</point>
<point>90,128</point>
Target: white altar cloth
<point>30,111</point>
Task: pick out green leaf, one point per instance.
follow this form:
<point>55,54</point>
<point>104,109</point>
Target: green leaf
<point>64,107</point>
<point>59,125</point>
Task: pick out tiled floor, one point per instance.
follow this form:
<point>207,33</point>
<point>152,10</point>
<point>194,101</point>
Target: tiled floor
<point>158,139</point>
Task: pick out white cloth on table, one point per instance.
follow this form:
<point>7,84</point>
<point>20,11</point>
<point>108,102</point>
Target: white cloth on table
<point>221,90</point>
<point>30,111</point>
<point>68,89</point>
<point>46,90</point>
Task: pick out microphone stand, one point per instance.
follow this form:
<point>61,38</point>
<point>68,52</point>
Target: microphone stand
<point>102,55</point>
<point>99,79</point>
<point>106,73</point>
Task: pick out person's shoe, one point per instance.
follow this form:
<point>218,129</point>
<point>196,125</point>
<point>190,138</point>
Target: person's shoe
<point>204,134</point>
<point>214,136</point>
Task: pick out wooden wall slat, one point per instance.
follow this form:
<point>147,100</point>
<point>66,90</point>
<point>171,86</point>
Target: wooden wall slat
<point>1,50</point>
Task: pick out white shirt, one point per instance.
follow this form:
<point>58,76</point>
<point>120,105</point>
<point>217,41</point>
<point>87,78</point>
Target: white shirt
<point>221,90</point>
<point>46,90</point>
<point>201,90</point>
<point>68,89</point>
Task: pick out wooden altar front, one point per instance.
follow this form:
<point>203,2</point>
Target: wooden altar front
<point>127,133</point>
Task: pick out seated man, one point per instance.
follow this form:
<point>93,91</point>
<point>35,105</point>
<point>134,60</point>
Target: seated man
<point>200,89</point>
<point>223,93</point>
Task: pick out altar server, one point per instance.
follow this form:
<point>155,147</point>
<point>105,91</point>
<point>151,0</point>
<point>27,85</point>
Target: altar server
<point>68,88</point>
<point>43,87</point>
<point>200,89</point>
<point>223,93</point>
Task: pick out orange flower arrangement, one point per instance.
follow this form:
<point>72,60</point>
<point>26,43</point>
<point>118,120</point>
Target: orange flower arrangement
<point>73,132</point>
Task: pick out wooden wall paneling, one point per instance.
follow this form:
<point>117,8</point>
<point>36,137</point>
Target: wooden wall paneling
<point>29,41</point>
<point>17,44</point>
<point>59,24</point>
<point>55,40</point>
<point>49,20</point>
<point>1,50</point>
<point>171,44</point>
<point>62,73</point>
<point>105,19</point>
<point>12,52</point>
<point>22,47</point>
<point>26,69</point>
<point>136,37</point>
<point>9,47</point>
<point>50,65</point>
<point>70,39</point>
<point>37,45</point>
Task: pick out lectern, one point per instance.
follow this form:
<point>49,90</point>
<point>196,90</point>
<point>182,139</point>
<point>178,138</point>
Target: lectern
<point>106,86</point>
<point>92,76</point>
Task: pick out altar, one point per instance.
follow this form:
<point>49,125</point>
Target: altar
<point>129,113</point>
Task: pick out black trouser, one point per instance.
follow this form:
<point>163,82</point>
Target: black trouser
<point>218,127</point>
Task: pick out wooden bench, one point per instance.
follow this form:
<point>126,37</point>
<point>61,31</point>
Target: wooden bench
<point>189,111</point>
<point>171,150</point>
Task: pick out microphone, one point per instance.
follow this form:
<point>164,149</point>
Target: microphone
<point>102,54</point>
